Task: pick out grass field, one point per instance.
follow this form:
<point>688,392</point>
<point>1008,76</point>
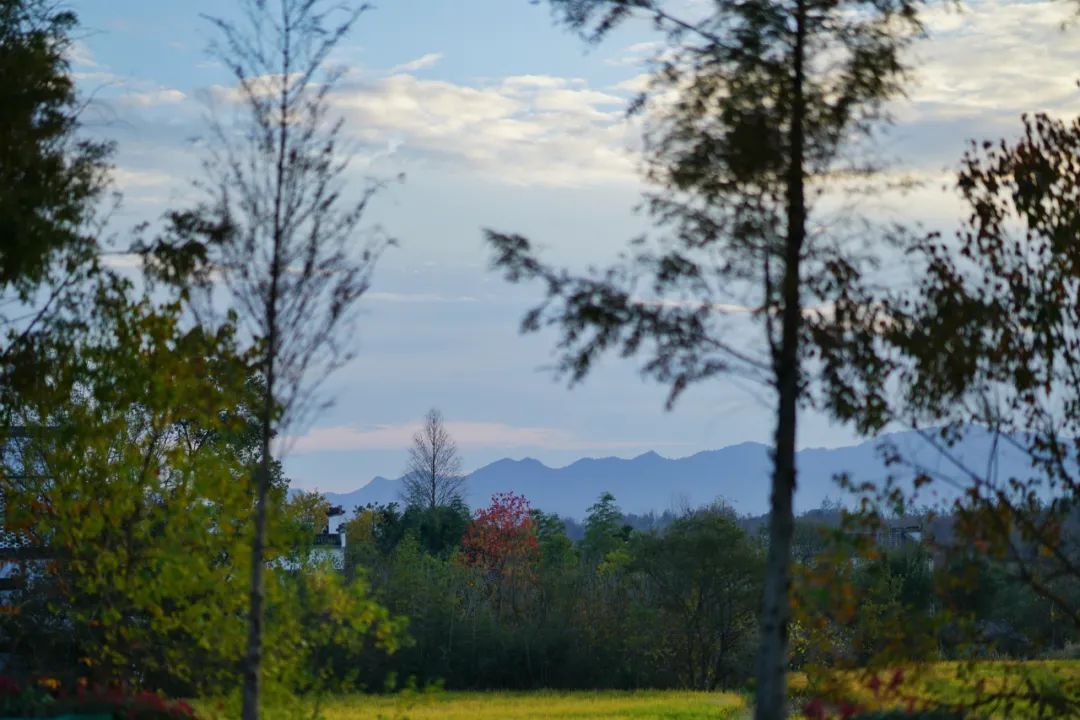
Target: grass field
<point>949,683</point>
<point>999,689</point>
<point>643,705</point>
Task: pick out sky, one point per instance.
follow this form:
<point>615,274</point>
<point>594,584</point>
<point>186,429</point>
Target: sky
<point>498,118</point>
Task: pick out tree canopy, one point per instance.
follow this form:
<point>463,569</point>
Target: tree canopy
<point>50,176</point>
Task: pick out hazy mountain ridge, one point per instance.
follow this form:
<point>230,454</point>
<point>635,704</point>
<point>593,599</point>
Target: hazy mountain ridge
<point>737,474</point>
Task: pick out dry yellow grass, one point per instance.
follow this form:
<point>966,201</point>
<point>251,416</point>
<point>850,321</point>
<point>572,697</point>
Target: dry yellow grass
<point>999,689</point>
<point>943,682</point>
<point>643,705</point>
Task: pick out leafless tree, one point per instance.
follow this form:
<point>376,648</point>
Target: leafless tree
<point>279,230</point>
<point>433,477</point>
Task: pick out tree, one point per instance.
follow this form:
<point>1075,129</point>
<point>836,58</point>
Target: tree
<point>49,178</point>
<point>433,477</point>
<point>770,99</point>
<point>986,341</point>
<point>143,512</point>
<point>502,543</point>
<point>439,529</point>
<point>988,338</point>
<point>279,230</point>
<point>556,549</point>
<point>605,530</point>
<point>311,509</point>
<point>705,576</point>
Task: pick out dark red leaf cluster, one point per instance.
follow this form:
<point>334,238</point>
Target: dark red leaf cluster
<point>501,539</point>
<point>48,698</point>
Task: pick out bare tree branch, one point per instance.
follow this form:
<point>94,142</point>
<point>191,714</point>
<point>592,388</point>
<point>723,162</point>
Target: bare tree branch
<point>433,477</point>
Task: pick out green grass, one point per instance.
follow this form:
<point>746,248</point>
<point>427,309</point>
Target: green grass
<point>642,705</point>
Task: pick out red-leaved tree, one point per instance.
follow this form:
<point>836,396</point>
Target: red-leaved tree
<point>501,542</point>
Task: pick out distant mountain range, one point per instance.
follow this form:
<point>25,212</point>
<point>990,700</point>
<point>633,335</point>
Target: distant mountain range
<point>739,475</point>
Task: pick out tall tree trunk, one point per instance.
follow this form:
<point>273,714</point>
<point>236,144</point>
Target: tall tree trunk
<point>253,661</point>
<point>253,666</point>
<point>771,700</point>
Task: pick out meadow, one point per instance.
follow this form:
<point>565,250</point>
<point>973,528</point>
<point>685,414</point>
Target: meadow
<point>940,682</point>
<point>995,689</point>
<point>606,705</point>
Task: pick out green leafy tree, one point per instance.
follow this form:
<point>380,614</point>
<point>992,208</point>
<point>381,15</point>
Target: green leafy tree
<point>143,517</point>
<point>50,178</point>
<point>375,530</point>
<point>444,605</point>
<point>608,587</point>
<point>372,532</point>
<point>556,548</point>
<point>704,574</point>
<point>439,529</point>
<point>324,629</point>
<point>755,111</point>
<point>311,509</point>
<point>605,531</point>
<point>129,476</point>
<point>280,231</point>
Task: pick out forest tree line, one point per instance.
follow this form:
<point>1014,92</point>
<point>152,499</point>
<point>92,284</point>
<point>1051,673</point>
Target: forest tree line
<point>505,597</point>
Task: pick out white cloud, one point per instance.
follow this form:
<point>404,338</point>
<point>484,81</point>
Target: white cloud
<point>92,78</point>
<point>636,54</point>
<point>522,130</point>
<point>637,84</point>
<point>131,179</point>
<point>419,63</point>
<point>260,85</point>
<point>545,93</point>
<point>995,59</point>
<point>121,260</point>
<point>81,56</point>
<point>979,70</point>
<point>466,434</point>
<point>531,129</point>
<point>153,98</point>
<point>526,82</point>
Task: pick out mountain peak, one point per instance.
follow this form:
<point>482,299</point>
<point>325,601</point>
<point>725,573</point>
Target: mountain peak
<point>525,462</point>
<point>738,474</point>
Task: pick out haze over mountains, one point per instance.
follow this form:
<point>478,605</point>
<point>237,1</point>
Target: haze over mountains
<point>738,475</point>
